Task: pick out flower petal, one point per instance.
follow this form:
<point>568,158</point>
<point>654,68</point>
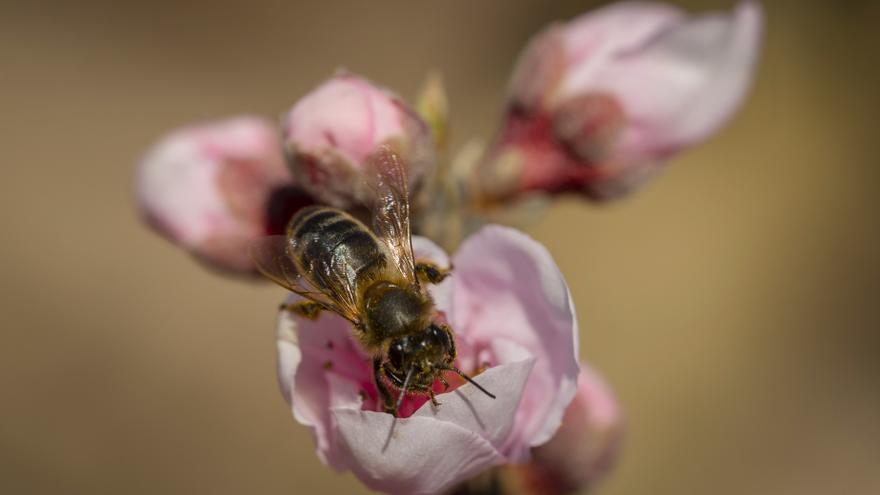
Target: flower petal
<point>423,456</point>
<point>289,355</point>
<point>473,410</point>
<point>507,287</point>
<point>599,37</point>
<point>319,367</point>
<point>434,449</point>
<point>687,82</point>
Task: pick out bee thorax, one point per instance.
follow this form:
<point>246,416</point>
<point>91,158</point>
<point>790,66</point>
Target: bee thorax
<point>392,310</point>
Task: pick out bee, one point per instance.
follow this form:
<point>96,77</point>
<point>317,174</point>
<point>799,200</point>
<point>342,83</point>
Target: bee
<point>371,278</point>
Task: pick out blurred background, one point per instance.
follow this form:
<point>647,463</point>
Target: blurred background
<point>732,303</point>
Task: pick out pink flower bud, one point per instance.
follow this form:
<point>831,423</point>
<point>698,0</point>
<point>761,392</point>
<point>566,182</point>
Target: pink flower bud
<point>584,448</point>
<point>331,132</point>
<point>598,103</point>
<point>214,187</point>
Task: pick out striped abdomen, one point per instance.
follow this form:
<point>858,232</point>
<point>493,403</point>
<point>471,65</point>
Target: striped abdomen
<point>332,246</point>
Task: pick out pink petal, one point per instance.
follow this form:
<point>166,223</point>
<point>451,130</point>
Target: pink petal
<point>473,410</point>
<point>289,355</point>
<point>562,61</point>
<point>685,82</point>
<point>539,69</point>
<point>510,296</point>
<point>433,450</point>
<point>599,37</point>
<point>425,456</point>
<point>304,349</point>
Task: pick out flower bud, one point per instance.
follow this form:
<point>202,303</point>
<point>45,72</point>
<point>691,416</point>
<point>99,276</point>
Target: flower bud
<point>598,103</point>
<point>330,134</point>
<point>212,188</point>
<point>583,449</point>
<point>432,105</point>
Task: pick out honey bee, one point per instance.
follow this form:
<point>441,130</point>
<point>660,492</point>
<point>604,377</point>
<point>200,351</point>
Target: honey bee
<point>371,278</point>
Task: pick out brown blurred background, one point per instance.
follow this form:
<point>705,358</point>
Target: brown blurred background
<point>732,303</point>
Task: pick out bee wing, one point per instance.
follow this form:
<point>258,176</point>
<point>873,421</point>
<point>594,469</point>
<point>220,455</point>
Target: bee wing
<point>390,209</point>
<point>272,259</point>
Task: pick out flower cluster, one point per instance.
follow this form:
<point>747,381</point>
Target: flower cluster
<point>595,106</point>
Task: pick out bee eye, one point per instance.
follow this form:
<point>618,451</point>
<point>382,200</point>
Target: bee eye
<point>439,336</point>
<point>395,355</point>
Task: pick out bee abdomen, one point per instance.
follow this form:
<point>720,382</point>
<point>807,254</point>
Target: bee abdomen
<point>331,243</point>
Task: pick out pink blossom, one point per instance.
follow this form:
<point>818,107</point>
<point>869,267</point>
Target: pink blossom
<point>513,317</point>
<point>597,104</point>
<point>331,132</point>
<point>214,187</point>
<point>584,448</point>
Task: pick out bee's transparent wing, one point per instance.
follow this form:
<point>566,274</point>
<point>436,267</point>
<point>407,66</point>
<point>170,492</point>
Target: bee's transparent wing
<point>390,209</point>
<point>272,259</point>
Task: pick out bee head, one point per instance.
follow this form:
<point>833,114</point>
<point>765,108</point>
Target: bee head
<point>414,361</point>
<point>426,352</point>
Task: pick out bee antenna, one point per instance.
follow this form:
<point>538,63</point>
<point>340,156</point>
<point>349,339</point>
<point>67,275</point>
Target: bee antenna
<point>403,390</point>
<point>470,380</point>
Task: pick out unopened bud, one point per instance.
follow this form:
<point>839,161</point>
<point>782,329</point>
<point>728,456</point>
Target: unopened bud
<point>331,133</point>
<point>214,187</point>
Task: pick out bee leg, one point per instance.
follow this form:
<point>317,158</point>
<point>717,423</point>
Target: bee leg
<point>384,394</point>
<point>444,382</point>
<point>433,399</point>
<point>431,273</point>
<point>306,309</point>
